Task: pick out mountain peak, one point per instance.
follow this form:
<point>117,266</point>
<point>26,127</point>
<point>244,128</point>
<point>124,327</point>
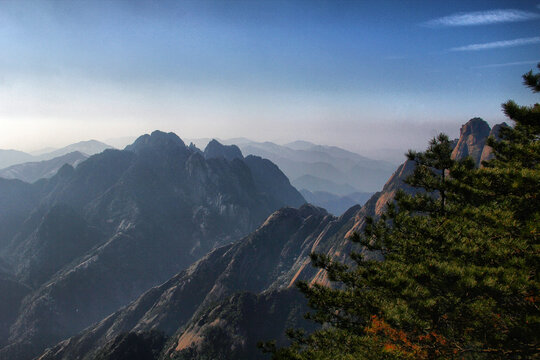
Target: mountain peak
<point>157,139</point>
<point>472,138</point>
<point>476,126</point>
<point>215,149</point>
<point>307,210</point>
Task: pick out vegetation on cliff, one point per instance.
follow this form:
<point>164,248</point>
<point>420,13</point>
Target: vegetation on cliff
<point>459,279</point>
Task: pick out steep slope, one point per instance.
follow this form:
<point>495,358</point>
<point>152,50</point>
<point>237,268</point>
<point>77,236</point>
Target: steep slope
<point>96,237</point>
<point>271,181</point>
<point>32,171</point>
<point>61,236</point>
<point>12,294</point>
<point>232,328</point>
<point>17,201</point>
<point>487,151</point>
<point>268,177</point>
<point>271,258</point>
<point>376,205</point>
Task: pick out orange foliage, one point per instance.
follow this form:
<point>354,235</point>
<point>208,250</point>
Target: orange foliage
<point>407,345</point>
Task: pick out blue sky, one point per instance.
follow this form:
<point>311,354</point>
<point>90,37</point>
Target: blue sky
<point>363,75</point>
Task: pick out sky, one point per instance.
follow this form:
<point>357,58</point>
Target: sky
<point>367,76</point>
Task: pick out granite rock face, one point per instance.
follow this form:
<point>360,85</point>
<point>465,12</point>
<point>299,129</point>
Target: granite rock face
<point>473,136</point>
<point>487,152</point>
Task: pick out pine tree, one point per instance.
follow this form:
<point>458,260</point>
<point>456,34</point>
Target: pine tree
<point>459,277</point>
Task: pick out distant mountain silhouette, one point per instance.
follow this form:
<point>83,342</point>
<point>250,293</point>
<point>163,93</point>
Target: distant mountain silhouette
<point>301,159</point>
<point>89,147</point>
<point>12,157</point>
<point>9,158</point>
<point>317,184</point>
<point>32,171</point>
<point>335,204</point>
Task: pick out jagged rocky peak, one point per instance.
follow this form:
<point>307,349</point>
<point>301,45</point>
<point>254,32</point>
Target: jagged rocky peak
<point>495,132</point>
<point>487,152</point>
<point>473,136</point>
<point>215,149</point>
<point>303,212</point>
<point>156,140</point>
<point>307,210</point>
<point>65,171</point>
<point>194,148</point>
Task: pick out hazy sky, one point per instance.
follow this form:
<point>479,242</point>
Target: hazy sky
<point>360,74</point>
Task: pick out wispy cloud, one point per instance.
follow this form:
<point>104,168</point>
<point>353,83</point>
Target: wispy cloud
<point>483,18</point>
<point>498,44</point>
<point>515,63</point>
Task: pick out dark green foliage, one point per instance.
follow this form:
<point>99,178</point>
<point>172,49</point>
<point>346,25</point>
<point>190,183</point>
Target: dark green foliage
<point>459,277</point>
<point>231,329</point>
<point>532,80</point>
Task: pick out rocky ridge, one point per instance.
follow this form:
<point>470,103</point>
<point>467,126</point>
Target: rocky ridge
<point>93,238</point>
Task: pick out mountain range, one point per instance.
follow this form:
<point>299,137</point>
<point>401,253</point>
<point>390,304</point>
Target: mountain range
<point>323,168</point>
<point>91,239</point>
<point>330,176</point>
<point>34,170</point>
<point>13,157</point>
<point>238,290</point>
<point>324,173</point>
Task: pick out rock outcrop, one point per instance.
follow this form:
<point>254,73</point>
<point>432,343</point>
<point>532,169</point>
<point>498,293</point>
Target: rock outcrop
<point>216,150</point>
<point>472,138</point>
<point>487,152</point>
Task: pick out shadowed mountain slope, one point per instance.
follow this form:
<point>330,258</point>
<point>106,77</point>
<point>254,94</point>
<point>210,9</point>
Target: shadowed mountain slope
<point>270,259</point>
<point>93,238</point>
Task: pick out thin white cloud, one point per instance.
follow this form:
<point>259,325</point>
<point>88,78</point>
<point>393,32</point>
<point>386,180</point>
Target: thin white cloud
<point>498,44</point>
<point>483,18</point>
<point>515,63</point>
